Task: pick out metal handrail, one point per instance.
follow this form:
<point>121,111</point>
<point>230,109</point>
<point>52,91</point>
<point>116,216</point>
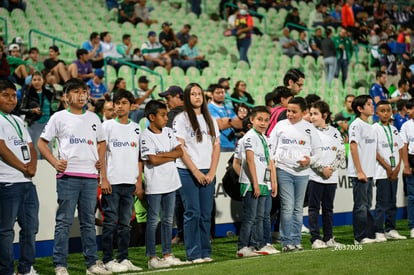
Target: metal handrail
<point>238,101</point>
<point>6,34</point>
<point>54,38</point>
<point>134,67</point>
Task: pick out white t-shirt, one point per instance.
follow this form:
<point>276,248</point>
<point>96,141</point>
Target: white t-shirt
<point>163,178</point>
<point>200,153</point>
<point>122,151</point>
<point>397,93</point>
<point>252,142</point>
<point>12,140</point>
<point>291,143</point>
<point>365,137</point>
<point>239,152</point>
<point>332,144</point>
<point>77,139</point>
<point>407,135</point>
<point>383,148</point>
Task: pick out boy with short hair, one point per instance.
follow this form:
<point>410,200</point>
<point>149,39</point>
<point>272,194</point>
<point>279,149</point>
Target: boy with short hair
<point>361,168</point>
<point>81,149</point>
<point>159,150</point>
<point>407,135</point>
<point>18,196</point>
<point>401,116</point>
<point>257,179</point>
<point>389,150</point>
<point>123,180</point>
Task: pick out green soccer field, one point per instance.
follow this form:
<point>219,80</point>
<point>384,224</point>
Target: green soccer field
<point>392,257</point>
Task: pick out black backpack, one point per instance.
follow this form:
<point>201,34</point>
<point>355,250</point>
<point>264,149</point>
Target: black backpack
<point>230,181</point>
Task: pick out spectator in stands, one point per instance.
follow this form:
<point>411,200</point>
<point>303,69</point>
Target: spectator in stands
<point>289,45</point>
<point>348,16</point>
<point>56,65</point>
<point>281,97</point>
<point>168,39</point>
<point>344,51</point>
<point>174,100</point>
<point>142,96</point>
<point>124,49</point>
<point>142,13</point>
<point>97,88</point>
<point>126,12</point>
<point>191,56</point>
<point>10,5</point>
<point>18,67</point>
<point>303,44</point>
<point>154,53</point>
<point>108,48</point>
<point>33,60</point>
<point>293,18</point>
<point>227,120</point>
<point>240,93</point>
<point>402,91</point>
<point>294,80</point>
<point>379,92</point>
<point>224,82</point>
<point>329,56</point>
<point>401,116</point>
<point>184,34</point>
<point>243,31</point>
<point>4,65</point>
<point>336,14</point>
<point>388,63</point>
<point>348,112</point>
<point>408,74</point>
<point>94,47</point>
<point>315,42</point>
<point>81,67</point>
<point>269,100</point>
<point>342,124</point>
<point>195,6</point>
<point>108,110</point>
<point>137,57</point>
<point>316,15</point>
<point>119,84</point>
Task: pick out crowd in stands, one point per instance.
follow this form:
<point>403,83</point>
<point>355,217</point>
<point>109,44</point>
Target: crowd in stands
<point>222,117</point>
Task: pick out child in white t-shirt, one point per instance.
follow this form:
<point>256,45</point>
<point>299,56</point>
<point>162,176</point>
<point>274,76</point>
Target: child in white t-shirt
<point>159,150</point>
<point>361,168</point>
<point>389,150</point>
<point>297,147</point>
<point>123,180</point>
<point>257,179</point>
<point>324,179</point>
<point>407,135</point>
<point>81,149</point>
<point>18,194</point>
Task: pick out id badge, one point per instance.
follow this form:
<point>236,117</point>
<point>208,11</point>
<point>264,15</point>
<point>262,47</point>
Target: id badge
<point>392,161</point>
<point>267,175</point>
<point>25,152</point>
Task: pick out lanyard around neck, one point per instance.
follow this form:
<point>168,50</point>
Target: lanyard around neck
<point>15,126</point>
<point>389,137</point>
<point>265,147</point>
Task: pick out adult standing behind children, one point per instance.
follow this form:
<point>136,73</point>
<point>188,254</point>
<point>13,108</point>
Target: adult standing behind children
<point>123,180</point>
<point>18,196</point>
<point>199,136</point>
<point>81,147</point>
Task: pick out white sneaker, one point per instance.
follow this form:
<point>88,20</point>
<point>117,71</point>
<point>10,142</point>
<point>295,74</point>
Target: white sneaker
<point>380,237</point>
<point>365,241</point>
<point>246,252</point>
<point>207,260</point>
<point>97,269</point>
<point>130,266</point>
<point>305,230</point>
<point>173,260</point>
<point>197,261</point>
<point>61,270</point>
<point>289,248</point>
<point>412,233</point>
<point>298,247</point>
<point>333,243</point>
<point>114,266</point>
<point>394,235</point>
<point>157,263</point>
<point>31,272</point>
<point>319,244</point>
<point>268,249</point>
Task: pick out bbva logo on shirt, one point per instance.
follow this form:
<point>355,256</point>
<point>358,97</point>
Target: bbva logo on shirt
<point>118,143</point>
<point>369,140</point>
<point>17,141</point>
<point>386,145</point>
<point>293,141</point>
<point>75,140</point>
<point>329,148</point>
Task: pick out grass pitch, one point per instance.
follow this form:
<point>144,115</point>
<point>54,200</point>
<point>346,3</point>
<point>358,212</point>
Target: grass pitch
<point>392,257</point>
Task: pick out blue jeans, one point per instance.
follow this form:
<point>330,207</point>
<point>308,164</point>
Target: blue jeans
<point>166,203</point>
<point>363,220</point>
<point>267,230</point>
<point>136,115</point>
<point>330,68</point>
<point>251,231</point>
<point>179,214</point>
<point>386,204</point>
<point>35,130</point>
<point>410,200</point>
<point>198,205</point>
<point>18,201</point>
<point>72,192</point>
<point>342,64</point>
<point>243,47</point>
<point>117,208</point>
<point>321,194</point>
<point>292,194</point>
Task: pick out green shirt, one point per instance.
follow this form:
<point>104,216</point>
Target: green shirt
<point>38,66</point>
<point>349,47</point>
<point>264,190</point>
<point>14,62</point>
